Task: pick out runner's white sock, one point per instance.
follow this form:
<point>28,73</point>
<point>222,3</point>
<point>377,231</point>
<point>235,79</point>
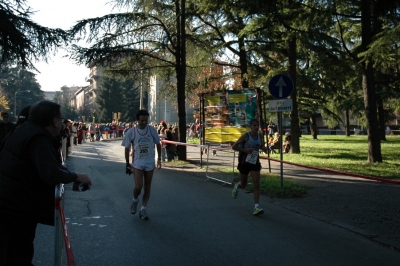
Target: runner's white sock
<point>256,205</point>
<point>142,208</point>
<point>135,200</point>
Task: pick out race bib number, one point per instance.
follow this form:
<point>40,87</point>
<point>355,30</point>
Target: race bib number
<point>144,151</point>
<point>252,157</point>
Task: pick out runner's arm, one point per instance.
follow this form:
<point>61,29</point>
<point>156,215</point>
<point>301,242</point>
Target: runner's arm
<point>128,168</point>
<point>236,146</point>
<point>127,153</point>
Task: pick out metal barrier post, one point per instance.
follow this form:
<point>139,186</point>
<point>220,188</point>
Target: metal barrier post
<point>213,178</point>
<point>233,167</point>
<point>208,152</point>
<point>58,230</point>
<point>71,142</point>
<point>64,146</point>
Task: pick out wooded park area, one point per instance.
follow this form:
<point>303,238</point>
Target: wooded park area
<point>342,55</point>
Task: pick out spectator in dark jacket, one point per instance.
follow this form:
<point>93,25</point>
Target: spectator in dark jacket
<point>5,127</point>
<point>22,118</point>
<point>171,148</point>
<point>29,171</point>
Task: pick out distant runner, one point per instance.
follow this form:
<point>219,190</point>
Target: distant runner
<point>248,146</point>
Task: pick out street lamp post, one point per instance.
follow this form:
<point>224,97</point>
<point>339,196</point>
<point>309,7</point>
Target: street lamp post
<point>15,103</point>
<point>141,91</point>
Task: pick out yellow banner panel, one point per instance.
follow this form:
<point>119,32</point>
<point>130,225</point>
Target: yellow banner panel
<point>213,100</point>
<point>224,134</point>
<point>237,98</point>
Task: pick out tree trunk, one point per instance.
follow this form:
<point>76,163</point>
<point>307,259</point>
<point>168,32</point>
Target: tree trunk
<point>347,123</point>
<point>368,84</point>
<point>313,127</point>
<point>180,66</point>
<point>381,118</point>
<point>294,114</point>
<point>243,63</point>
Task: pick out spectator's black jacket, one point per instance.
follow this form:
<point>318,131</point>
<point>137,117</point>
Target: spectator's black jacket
<point>29,171</point>
<point>5,129</point>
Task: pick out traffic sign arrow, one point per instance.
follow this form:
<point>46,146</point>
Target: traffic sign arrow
<point>280,84</point>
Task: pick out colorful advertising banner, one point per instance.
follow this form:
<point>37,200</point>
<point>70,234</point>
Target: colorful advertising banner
<point>227,114</point>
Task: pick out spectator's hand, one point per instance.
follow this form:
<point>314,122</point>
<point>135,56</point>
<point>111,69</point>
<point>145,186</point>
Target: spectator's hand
<point>82,183</point>
<point>84,179</point>
<point>159,163</point>
<point>80,186</point>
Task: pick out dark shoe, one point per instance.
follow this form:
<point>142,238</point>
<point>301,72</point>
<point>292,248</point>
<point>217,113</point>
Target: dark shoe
<point>143,215</point>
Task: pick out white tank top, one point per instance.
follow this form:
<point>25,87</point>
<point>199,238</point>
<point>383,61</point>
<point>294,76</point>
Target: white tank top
<point>143,145</point>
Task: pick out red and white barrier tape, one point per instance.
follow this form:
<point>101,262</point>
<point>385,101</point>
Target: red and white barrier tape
<point>294,164</point>
<point>67,241</point>
<point>337,172</point>
<point>104,131</point>
<point>184,144</point>
<point>198,146</point>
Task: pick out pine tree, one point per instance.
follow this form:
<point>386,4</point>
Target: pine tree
<point>14,79</point>
<point>115,96</point>
<point>21,39</point>
<point>150,37</point>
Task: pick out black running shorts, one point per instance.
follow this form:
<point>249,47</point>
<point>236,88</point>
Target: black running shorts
<point>245,168</point>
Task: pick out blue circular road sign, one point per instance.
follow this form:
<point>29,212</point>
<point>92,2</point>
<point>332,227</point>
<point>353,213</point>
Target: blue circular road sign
<point>281,86</point>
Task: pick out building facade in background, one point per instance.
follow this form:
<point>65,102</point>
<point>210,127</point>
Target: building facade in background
<point>159,108</point>
<point>83,99</point>
<point>49,95</point>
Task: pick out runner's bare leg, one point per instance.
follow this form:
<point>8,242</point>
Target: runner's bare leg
<point>255,175</point>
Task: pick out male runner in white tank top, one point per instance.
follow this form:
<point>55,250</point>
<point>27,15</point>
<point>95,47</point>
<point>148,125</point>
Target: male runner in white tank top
<point>142,138</point>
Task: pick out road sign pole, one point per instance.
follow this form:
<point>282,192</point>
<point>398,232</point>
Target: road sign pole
<point>280,144</point>
<point>281,86</point>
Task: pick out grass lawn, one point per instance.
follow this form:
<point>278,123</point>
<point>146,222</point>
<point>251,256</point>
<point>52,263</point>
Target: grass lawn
<point>341,153</point>
<point>347,154</point>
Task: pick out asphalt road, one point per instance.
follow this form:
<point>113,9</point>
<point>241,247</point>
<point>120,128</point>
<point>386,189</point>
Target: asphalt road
<point>193,221</point>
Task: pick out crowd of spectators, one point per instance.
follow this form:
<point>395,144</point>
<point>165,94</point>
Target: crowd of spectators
<point>80,132</point>
<point>273,142</point>
<point>193,130</point>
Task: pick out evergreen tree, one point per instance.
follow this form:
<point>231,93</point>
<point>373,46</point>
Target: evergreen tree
<point>58,97</point>
<point>150,37</point>
<point>116,96</point>
<point>15,79</point>
<point>22,40</point>
<point>328,48</point>
<point>371,49</point>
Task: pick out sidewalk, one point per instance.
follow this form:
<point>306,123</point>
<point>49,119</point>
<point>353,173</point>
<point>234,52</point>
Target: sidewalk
<point>366,207</point>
